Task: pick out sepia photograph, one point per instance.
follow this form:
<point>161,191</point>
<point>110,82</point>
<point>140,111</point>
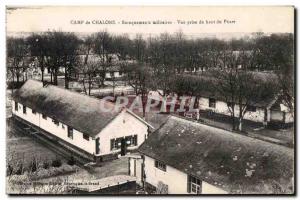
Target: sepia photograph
<point>150,100</point>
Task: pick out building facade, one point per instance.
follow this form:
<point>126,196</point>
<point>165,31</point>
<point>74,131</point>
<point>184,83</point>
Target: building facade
<point>158,174</point>
<point>271,110</point>
<point>60,114</point>
<point>265,113</point>
<point>187,157</point>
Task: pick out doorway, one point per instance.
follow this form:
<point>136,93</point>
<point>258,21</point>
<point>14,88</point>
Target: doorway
<point>97,145</point>
<point>123,147</point>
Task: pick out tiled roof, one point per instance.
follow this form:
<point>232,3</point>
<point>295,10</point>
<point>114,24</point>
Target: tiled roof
<point>233,162</point>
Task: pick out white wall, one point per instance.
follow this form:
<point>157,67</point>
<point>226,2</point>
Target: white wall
<point>276,115</point>
<point>29,116</point>
<point>49,126</point>
<point>116,75</point>
<point>77,140</point>
<point>222,108</point>
<point>210,189</point>
<point>123,125</point>
<point>135,165</point>
<point>175,179</point>
<point>289,117</point>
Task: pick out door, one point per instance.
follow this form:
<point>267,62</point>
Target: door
<point>134,174</point>
<point>97,145</point>
<point>266,115</point>
<point>123,147</point>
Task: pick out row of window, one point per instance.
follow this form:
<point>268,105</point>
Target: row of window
<point>212,104</point>
<point>127,141</point>
<point>56,122</point>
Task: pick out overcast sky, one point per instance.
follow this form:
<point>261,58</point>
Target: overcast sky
<point>247,19</point>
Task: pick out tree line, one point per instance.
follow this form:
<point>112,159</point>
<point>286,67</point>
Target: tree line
<point>162,63</point>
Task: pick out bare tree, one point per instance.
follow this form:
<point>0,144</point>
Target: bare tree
<point>16,54</point>
<point>103,47</point>
<point>88,70</point>
<point>161,52</point>
<point>139,78</point>
<point>241,89</point>
<point>61,52</point>
<point>38,48</point>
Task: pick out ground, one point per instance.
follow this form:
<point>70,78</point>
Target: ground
<point>25,148</point>
<point>22,149</point>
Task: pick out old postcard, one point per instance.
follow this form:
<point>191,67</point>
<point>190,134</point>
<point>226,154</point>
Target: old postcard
<point>150,100</point>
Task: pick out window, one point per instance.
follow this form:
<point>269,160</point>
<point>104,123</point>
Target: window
<point>63,127</point>
<point>131,140</point>
<point>86,137</point>
<point>112,74</point>
<point>55,122</point>
<point>24,109</point>
<point>160,165</point>
<point>70,132</point>
<point>33,111</point>
<point>44,116</point>
<point>194,185</point>
<point>16,106</point>
<point>251,108</point>
<point>97,145</point>
<point>115,144</point>
<point>212,102</point>
<point>120,73</point>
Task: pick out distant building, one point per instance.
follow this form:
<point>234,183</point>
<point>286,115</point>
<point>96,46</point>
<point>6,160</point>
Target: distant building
<point>114,72</point>
<point>186,157</point>
<point>270,110</point>
<point>78,120</point>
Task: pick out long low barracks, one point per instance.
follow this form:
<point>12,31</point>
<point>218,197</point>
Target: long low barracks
<point>78,120</point>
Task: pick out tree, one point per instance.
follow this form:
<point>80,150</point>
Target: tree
<point>225,86</point>
<point>139,78</point>
<point>62,52</point>
<point>161,54</point>
<point>191,85</point>
<point>89,70</point>
<point>241,89</point>
<point>103,47</point>
<point>123,46</point>
<point>16,54</point>
<point>38,48</point>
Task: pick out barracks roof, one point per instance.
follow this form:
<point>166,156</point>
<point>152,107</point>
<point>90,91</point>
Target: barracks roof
<point>79,111</point>
<point>233,162</point>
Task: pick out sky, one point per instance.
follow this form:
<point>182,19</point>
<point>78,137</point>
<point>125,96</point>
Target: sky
<point>206,20</point>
